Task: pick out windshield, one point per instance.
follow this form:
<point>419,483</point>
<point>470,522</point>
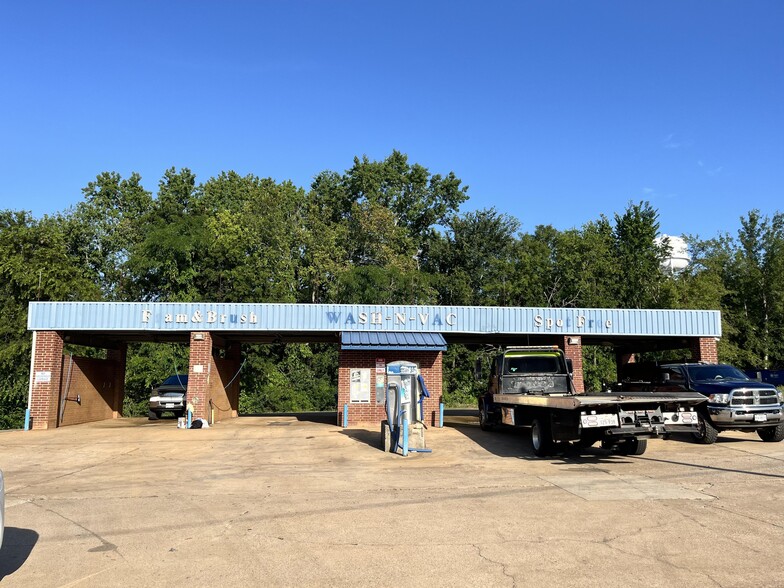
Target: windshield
<point>703,373</point>
<point>533,364</point>
<point>176,381</point>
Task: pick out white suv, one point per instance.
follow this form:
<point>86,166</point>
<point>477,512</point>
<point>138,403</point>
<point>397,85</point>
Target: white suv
<point>169,397</point>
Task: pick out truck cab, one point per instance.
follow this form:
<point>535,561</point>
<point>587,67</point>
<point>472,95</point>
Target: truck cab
<point>542,371</point>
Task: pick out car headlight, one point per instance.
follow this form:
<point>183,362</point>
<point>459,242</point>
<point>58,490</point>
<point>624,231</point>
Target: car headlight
<point>780,394</point>
<point>719,398</point>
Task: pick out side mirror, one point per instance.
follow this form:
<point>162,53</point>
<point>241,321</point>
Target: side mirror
<point>478,369</point>
<point>666,377</point>
<point>569,366</point>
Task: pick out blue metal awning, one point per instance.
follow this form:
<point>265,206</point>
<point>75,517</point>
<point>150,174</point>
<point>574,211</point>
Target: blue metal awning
<point>380,341</point>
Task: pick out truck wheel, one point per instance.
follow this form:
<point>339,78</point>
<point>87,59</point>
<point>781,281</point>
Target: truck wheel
<point>152,415</point>
<point>707,432</point>
<point>633,446</point>
<point>772,434</point>
<point>541,438</point>
<point>484,418</point>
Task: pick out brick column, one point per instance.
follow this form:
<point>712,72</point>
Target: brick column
<point>199,373</point>
<point>705,349</point>
<point>432,374</point>
<point>118,356</point>
<point>574,351</point>
<point>622,360</point>
<point>430,367</point>
<point>46,378</point>
<point>234,355</point>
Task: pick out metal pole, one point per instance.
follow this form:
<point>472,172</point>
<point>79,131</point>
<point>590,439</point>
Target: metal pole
<point>405,436</point>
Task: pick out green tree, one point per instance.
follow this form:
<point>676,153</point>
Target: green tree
<point>36,263</point>
<point>640,283</point>
<point>474,258</point>
<point>105,228</point>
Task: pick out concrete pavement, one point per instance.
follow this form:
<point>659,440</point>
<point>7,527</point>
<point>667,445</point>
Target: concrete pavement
<point>279,501</point>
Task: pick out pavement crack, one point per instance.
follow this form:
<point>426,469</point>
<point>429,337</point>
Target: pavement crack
<point>104,546</point>
<point>497,563</point>
<point>80,470</point>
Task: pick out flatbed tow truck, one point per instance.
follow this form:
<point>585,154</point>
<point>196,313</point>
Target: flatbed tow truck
<point>533,387</point>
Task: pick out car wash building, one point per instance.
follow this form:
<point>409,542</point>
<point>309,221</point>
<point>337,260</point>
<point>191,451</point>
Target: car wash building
<point>67,389</point>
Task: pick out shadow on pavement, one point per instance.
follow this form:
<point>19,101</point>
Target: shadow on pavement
<point>17,546</point>
<point>328,417</point>
<point>371,438</point>
<point>516,443</point>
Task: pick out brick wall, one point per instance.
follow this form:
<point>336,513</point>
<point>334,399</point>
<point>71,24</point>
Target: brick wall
<point>705,349</point>
<point>98,383</point>
<point>201,365</point>
<point>430,367</point>
<point>224,393</point>
<point>574,351</point>
<point>119,357</point>
<point>47,365</point>
<point>94,382</point>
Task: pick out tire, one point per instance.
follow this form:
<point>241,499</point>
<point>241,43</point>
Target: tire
<point>707,432</point>
<point>153,416</point>
<point>541,438</point>
<point>484,418</point>
<point>633,446</point>
<point>772,434</point>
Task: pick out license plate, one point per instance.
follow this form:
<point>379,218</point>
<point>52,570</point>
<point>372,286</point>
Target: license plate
<point>599,420</point>
<point>169,405</point>
<point>760,418</point>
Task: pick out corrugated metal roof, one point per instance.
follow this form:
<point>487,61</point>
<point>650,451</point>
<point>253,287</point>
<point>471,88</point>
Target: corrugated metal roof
<point>392,341</point>
<point>248,317</point>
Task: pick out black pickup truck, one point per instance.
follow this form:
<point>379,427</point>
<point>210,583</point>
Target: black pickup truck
<point>734,401</point>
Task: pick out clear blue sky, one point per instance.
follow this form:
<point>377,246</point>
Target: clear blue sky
<point>552,111</point>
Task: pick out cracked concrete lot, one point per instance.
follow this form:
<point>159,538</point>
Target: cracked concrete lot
<point>281,501</point>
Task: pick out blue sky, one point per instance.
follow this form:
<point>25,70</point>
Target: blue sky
<point>552,111</point>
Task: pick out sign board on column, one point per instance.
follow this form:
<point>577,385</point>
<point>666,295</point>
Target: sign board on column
<point>43,377</point>
<point>359,387</point>
<point>381,365</point>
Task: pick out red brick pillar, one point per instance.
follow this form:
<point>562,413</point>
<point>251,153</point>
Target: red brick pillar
<point>118,356</point>
<point>621,360</point>
<point>573,349</point>
<point>705,349</point>
<point>432,374</point>
<point>46,378</point>
<point>234,355</point>
<point>199,373</point>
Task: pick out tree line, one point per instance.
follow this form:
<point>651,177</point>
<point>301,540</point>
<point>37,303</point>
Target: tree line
<point>381,232</point>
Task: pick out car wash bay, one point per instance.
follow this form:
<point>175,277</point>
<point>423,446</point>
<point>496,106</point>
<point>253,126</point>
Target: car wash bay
<point>65,389</point>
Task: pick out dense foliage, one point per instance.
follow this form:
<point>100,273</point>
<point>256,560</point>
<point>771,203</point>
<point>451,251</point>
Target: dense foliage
<point>382,232</point>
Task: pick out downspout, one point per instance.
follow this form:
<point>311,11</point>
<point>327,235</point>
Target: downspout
<point>30,389</point>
